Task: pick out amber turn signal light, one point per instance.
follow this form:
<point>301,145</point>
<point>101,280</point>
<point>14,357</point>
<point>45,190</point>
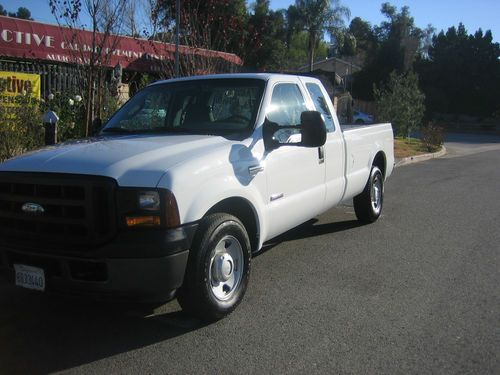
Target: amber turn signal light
<point>143,221</point>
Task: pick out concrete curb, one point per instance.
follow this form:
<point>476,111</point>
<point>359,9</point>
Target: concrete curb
<point>419,158</point>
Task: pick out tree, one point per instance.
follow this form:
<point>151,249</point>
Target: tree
<point>265,45</point>
<point>20,129</point>
<point>204,24</point>
<point>275,40</point>
<point>106,18</point>
<point>22,13</point>
<point>130,21</point>
<point>298,55</point>
<point>365,40</point>
<point>211,24</point>
<point>401,102</point>
<point>317,17</point>
<point>461,73</point>
<point>398,43</point>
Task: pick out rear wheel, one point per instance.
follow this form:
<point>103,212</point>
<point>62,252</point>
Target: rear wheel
<point>368,204</point>
<point>218,268</point>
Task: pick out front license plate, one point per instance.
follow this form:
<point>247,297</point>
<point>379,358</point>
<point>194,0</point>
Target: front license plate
<point>30,277</point>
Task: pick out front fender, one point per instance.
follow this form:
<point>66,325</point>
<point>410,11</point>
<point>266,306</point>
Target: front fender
<point>197,193</point>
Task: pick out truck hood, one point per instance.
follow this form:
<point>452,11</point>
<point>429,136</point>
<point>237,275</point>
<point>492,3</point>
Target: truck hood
<point>132,160</point>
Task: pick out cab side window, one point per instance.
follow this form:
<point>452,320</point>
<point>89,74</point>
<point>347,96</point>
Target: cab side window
<point>287,104</point>
<point>321,105</point>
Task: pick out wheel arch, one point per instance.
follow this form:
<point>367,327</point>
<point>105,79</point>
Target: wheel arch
<point>381,162</point>
<point>245,212</point>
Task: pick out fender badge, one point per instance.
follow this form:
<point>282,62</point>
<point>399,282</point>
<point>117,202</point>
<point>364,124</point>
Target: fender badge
<point>32,208</point>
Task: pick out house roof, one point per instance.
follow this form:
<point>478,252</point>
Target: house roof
<point>333,60</point>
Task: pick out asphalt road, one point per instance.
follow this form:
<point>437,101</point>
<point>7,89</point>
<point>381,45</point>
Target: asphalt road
<point>416,292</point>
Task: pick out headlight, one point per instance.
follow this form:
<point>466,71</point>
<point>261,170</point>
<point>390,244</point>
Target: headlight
<point>148,208</point>
<point>149,201</point>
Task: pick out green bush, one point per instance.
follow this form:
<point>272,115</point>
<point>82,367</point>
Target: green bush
<point>432,137</point>
<point>20,128</point>
<point>109,106</point>
<point>71,114</point>
<point>401,102</point>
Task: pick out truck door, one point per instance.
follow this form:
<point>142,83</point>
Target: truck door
<point>295,175</point>
<point>333,150</point>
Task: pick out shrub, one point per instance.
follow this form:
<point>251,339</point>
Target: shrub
<point>400,102</point>
<point>432,136</point>
<point>110,105</point>
<point>20,128</point>
<point>71,114</point>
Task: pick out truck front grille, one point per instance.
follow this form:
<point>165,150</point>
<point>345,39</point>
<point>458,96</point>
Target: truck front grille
<point>50,209</point>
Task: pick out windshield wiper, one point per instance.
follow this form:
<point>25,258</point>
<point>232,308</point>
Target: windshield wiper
<point>115,130</point>
<point>176,130</point>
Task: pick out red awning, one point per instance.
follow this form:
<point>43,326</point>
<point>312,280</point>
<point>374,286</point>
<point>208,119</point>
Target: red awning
<point>34,40</point>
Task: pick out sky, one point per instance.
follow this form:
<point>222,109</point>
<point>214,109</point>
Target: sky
<point>442,14</point>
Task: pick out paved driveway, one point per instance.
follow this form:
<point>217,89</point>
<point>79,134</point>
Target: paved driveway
<point>467,144</point>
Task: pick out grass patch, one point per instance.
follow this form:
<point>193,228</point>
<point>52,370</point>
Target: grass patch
<point>404,147</point>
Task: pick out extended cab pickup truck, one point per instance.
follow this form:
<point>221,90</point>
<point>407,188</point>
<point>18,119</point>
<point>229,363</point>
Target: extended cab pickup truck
<point>187,180</point>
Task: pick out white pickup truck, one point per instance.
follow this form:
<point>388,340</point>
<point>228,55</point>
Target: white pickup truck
<point>187,180</point>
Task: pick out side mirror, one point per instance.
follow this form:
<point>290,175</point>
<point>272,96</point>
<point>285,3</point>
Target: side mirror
<point>312,131</point>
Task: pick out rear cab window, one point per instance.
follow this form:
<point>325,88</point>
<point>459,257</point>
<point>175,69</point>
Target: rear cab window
<point>321,105</point>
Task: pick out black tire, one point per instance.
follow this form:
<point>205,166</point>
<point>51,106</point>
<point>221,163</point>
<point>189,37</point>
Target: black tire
<point>202,293</point>
<point>368,205</point>
<point>360,122</point>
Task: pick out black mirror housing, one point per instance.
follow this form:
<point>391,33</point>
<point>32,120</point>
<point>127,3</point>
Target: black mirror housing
<point>268,130</point>
<point>312,129</point>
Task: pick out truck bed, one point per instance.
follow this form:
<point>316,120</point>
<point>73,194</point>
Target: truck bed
<point>362,142</point>
<point>348,127</point>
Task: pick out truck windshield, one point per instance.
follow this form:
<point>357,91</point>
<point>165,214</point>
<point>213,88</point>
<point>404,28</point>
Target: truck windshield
<point>206,106</point>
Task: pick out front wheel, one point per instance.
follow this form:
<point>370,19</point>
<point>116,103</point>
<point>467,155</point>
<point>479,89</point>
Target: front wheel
<point>368,204</point>
<point>218,268</point>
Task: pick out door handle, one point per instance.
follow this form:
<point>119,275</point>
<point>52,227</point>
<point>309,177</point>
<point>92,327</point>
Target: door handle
<point>255,169</point>
<point>321,155</point>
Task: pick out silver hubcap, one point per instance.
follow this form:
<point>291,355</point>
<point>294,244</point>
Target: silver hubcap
<point>225,270</point>
<point>376,194</point>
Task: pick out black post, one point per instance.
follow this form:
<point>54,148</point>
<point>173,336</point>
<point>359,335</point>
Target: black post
<point>50,120</point>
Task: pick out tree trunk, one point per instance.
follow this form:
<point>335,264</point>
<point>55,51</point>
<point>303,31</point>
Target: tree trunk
<point>312,44</point>
<point>99,89</point>
<point>90,102</point>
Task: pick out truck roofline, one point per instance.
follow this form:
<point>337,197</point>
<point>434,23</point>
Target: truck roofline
<point>261,76</point>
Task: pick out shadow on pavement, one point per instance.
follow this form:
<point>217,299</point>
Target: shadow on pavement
<point>42,334</point>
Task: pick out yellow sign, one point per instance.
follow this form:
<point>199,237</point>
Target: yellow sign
<point>16,86</point>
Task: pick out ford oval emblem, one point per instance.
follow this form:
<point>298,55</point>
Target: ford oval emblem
<point>32,209</point>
